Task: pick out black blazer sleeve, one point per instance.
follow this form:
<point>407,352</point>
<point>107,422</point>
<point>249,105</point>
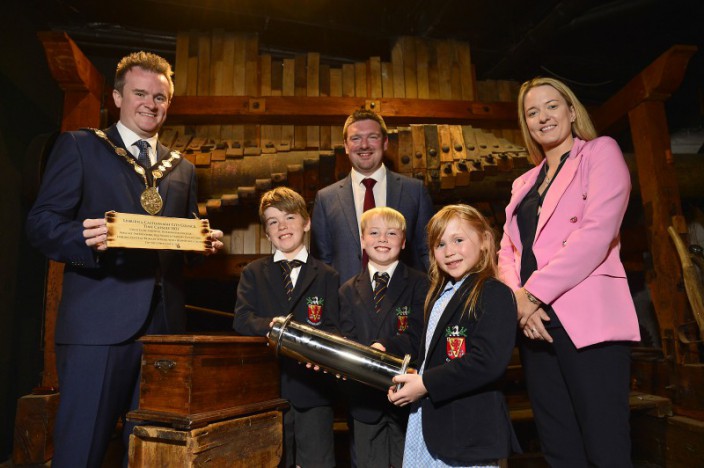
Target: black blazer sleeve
<point>247,322</point>
<point>348,328</point>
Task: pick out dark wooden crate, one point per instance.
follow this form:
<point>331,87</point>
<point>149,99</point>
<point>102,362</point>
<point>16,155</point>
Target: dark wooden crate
<point>254,440</point>
<point>192,380</point>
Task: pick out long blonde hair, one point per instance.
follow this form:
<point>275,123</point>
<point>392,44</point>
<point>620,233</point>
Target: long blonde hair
<point>484,269</point>
<point>582,127</point>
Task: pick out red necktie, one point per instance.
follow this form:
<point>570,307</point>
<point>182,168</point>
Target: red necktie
<point>368,194</point>
<point>368,205</point>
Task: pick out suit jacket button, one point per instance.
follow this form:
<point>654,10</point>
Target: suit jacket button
<point>584,196</point>
<point>573,219</point>
<point>564,243</point>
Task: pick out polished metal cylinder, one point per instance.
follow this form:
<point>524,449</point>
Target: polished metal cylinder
<point>336,354</point>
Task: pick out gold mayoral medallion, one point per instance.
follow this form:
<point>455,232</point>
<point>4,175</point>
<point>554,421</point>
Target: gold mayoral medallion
<point>151,200</point>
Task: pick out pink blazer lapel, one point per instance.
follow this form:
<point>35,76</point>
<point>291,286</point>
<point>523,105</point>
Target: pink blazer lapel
<point>557,189</point>
<point>559,185</point>
<point>520,191</point>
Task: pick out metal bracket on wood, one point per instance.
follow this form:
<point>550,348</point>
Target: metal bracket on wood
<point>257,105</point>
<point>373,105</point>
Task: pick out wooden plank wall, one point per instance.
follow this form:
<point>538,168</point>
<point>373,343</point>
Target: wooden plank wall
<point>236,163</point>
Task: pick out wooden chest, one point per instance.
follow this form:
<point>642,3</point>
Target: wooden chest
<point>34,429</point>
<point>255,440</point>
<point>188,381</point>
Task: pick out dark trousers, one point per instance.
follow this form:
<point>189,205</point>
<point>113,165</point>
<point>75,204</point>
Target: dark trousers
<point>98,384</point>
<point>308,437</point>
<point>381,444</point>
<point>579,400</point>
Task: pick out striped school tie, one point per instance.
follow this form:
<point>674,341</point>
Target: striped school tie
<point>381,281</point>
<point>286,268</point>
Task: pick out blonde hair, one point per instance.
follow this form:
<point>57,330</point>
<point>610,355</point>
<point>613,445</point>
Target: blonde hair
<point>283,199</point>
<point>363,114</point>
<point>391,217</point>
<point>582,126</point>
<point>146,61</point>
<point>484,269</point>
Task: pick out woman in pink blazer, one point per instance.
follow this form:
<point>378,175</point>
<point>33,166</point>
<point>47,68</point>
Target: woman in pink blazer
<point>560,255</point>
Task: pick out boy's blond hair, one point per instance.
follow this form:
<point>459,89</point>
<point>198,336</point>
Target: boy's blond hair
<point>283,199</point>
<point>391,217</point>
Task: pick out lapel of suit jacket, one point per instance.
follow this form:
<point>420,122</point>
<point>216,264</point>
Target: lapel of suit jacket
<point>363,286</point>
<point>114,136</point>
<point>454,306</point>
<point>275,284</point>
<point>527,181</point>
<point>393,189</point>
<point>303,283</point>
<point>164,184</point>
<point>345,199</point>
<point>559,185</point>
<point>393,292</point>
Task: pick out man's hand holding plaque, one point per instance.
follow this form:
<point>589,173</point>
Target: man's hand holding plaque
<point>135,231</point>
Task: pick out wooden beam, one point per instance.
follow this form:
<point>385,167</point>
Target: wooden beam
<point>662,207</point>
<point>657,82</point>
<point>643,101</point>
<point>81,82</point>
<point>321,109</point>
<point>68,65</point>
<point>83,87</point>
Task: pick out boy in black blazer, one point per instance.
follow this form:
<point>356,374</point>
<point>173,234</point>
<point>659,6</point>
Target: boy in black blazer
<point>381,310</point>
<point>291,281</point>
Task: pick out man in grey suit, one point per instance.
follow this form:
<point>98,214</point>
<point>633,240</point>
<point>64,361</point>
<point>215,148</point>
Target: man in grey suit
<point>338,207</point>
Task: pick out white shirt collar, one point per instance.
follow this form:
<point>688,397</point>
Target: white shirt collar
<point>302,255</point>
<point>378,175</point>
<point>390,270</point>
<point>129,138</point>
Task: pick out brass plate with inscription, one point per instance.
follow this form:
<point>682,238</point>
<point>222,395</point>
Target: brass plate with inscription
<point>135,231</point>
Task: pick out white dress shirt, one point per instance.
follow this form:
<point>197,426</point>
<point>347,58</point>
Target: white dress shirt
<point>358,190</point>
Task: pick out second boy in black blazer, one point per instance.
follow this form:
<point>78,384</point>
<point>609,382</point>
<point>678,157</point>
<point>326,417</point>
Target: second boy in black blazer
<point>381,309</point>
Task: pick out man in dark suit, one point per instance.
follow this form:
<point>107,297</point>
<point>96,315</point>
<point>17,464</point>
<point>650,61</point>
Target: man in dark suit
<point>338,207</point>
<point>111,297</point>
